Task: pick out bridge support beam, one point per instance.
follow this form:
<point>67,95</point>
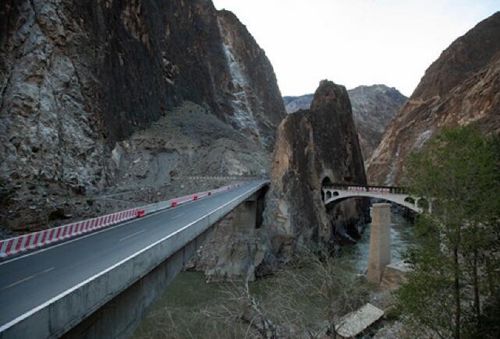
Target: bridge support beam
<point>380,242</point>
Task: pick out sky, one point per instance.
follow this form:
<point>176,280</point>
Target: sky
<point>355,42</point>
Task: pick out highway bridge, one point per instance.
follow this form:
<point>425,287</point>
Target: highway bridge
<point>101,284</point>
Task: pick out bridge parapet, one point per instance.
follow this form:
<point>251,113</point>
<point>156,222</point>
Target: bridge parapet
<point>373,189</point>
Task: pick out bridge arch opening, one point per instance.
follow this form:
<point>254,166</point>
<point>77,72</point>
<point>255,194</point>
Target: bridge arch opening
<point>410,200</point>
<point>326,182</point>
<point>328,194</point>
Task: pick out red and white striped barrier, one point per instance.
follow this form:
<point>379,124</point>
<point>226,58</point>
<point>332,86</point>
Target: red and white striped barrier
<point>35,240</point>
<point>177,201</point>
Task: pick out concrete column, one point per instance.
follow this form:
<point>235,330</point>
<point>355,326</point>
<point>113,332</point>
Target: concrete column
<point>245,217</point>
<point>380,242</point>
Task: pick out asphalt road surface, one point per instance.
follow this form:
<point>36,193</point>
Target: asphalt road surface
<point>37,277</point>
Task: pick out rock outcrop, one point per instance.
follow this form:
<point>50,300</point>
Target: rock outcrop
<point>314,147</point>
<point>460,87</point>
<point>373,108</point>
<point>78,80</point>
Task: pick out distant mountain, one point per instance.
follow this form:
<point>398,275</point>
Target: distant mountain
<point>460,87</point>
<point>293,104</point>
<point>373,108</point>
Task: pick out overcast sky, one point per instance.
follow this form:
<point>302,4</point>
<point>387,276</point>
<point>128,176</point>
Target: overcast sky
<point>355,42</point>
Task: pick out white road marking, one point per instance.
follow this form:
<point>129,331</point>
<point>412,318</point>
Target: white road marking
<point>132,235</point>
<point>27,278</point>
<point>77,286</point>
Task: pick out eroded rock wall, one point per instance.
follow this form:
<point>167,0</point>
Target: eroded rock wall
<point>460,87</point>
<point>252,85</point>
<point>77,79</point>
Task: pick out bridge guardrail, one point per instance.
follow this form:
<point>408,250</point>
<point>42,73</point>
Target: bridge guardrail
<point>35,240</point>
<point>374,189</point>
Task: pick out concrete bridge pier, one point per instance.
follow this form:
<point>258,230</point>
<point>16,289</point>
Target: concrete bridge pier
<point>245,215</point>
<point>380,242</point>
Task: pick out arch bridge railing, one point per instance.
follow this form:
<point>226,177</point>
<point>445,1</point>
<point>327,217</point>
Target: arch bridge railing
<point>369,189</point>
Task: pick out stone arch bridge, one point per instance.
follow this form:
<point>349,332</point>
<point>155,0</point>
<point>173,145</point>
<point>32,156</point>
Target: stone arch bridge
<point>398,195</point>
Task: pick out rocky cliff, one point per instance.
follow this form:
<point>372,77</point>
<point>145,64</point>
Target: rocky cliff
<point>373,108</point>
<point>315,147</point>
<point>79,82</point>
<point>254,93</point>
<point>461,86</point>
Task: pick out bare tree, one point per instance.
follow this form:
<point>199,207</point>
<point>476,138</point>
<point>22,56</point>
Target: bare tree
<point>307,300</point>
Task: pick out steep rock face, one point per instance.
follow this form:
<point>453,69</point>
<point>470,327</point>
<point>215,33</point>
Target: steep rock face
<point>314,147</point>
<point>78,79</point>
<point>373,108</point>
<point>460,87</point>
<point>255,96</point>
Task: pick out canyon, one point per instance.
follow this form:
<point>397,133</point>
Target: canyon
<point>110,105</point>
<point>107,105</point>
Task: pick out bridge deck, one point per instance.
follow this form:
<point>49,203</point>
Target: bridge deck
<point>29,281</point>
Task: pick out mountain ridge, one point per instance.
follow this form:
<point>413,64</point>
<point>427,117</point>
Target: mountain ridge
<point>460,87</point>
